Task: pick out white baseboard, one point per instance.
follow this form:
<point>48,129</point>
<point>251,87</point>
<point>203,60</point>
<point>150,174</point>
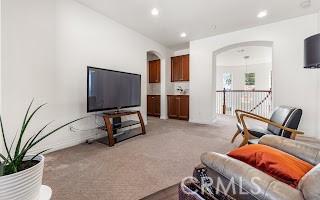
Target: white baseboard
<point>203,122</point>
<point>164,117</point>
<point>65,144</point>
<point>214,121</point>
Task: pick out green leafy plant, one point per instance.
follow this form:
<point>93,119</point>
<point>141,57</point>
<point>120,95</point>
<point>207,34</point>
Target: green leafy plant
<point>14,161</point>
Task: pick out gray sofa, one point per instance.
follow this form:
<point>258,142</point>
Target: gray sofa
<point>242,181</point>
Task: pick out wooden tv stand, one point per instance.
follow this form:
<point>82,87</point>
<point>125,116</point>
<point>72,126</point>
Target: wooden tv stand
<point>112,128</point>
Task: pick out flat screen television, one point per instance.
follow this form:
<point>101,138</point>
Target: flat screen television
<point>312,52</point>
<point>109,89</point>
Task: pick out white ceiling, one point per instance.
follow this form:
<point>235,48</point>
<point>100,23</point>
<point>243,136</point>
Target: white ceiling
<point>196,17</point>
<point>235,57</point>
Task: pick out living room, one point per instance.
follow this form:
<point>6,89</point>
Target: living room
<point>168,52</point>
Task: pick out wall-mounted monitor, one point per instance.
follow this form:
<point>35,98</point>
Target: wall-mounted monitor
<point>312,52</point>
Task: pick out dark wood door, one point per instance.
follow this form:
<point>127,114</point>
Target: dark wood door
<point>178,107</point>
<point>151,72</point>
<point>153,105</point>
<point>173,108</point>
<point>180,68</point>
<point>185,68</point>
<point>157,105</point>
<point>158,71</point>
<point>176,65</point>
<point>150,105</point>
<point>154,71</point>
<point>184,107</point>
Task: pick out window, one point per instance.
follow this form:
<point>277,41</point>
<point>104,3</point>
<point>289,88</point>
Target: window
<point>250,81</point>
<point>227,81</point>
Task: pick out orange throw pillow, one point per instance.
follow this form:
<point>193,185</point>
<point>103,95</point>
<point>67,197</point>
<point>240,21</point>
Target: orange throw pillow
<point>278,164</point>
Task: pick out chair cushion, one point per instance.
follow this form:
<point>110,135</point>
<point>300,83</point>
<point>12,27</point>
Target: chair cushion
<point>292,122</point>
<point>259,132</point>
<point>280,165</point>
<point>280,116</point>
<point>310,184</point>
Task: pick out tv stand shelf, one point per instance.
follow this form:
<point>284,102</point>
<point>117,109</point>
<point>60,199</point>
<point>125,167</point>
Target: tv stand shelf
<point>112,128</point>
<point>122,125</point>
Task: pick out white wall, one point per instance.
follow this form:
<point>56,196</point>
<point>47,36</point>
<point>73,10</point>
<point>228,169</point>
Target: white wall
<point>262,74</point>
<point>46,49</point>
<point>181,52</point>
<point>154,89</point>
<point>318,83</point>
<point>292,84</point>
<point>2,149</point>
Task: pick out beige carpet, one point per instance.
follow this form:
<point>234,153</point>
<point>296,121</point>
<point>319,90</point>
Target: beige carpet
<point>137,167</point>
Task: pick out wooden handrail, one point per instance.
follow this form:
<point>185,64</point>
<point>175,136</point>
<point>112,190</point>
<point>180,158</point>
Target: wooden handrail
<point>261,102</point>
<point>244,91</point>
<point>248,113</point>
<point>248,100</point>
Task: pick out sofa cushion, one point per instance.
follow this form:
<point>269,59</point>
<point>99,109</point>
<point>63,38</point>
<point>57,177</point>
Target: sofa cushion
<point>256,182</point>
<point>278,164</point>
<point>310,184</point>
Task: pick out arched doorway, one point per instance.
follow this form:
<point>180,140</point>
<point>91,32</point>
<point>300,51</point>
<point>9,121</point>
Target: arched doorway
<point>243,78</point>
<point>156,87</point>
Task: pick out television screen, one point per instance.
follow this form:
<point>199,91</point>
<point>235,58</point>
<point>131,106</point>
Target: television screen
<point>108,89</point>
<point>312,52</point>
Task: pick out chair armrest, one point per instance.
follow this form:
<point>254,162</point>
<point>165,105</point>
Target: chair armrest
<point>264,120</point>
<point>238,112</point>
<point>304,151</point>
<point>242,116</point>
<point>240,125</point>
<point>256,182</point>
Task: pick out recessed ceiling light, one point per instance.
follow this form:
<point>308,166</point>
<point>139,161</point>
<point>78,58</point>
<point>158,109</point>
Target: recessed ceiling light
<point>262,14</point>
<point>155,12</point>
<point>183,35</point>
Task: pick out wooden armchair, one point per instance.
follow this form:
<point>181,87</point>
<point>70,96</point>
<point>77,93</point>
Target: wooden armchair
<point>283,122</point>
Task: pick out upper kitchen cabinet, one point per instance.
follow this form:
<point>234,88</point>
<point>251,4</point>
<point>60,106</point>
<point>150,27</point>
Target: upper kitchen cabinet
<point>154,71</point>
<point>180,68</point>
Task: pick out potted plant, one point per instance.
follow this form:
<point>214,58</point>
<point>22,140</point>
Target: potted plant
<point>20,173</point>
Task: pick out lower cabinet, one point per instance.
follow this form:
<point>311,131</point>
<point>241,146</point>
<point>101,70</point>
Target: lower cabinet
<point>153,105</point>
<point>178,107</point>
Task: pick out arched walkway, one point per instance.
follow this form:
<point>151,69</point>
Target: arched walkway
<point>219,97</point>
<point>163,100</point>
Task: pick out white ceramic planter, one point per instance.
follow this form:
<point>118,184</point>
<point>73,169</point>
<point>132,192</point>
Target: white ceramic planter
<point>24,185</point>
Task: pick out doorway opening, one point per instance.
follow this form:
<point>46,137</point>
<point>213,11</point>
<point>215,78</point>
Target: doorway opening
<point>244,78</point>
<point>153,84</point>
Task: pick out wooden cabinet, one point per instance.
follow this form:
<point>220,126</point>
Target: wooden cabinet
<point>184,108</point>
<point>153,105</point>
<point>185,68</point>
<point>180,68</point>
<point>175,68</point>
<point>178,107</point>
<point>154,71</point>
<point>173,107</point>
